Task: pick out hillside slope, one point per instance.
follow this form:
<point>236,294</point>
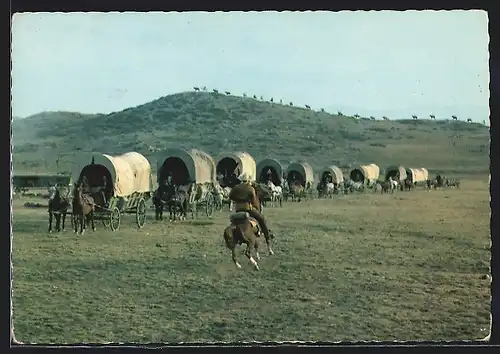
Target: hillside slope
<point>217,123</point>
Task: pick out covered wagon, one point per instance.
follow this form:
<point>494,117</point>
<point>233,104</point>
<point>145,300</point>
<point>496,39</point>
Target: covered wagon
<point>270,169</point>
<point>397,172</point>
<point>231,165</point>
<point>185,167</point>
<point>119,184</point>
<point>365,173</point>
<point>417,175</point>
<point>330,174</point>
<point>300,171</point>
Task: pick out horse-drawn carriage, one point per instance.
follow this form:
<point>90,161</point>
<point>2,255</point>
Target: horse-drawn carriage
<point>270,169</point>
<point>271,173</point>
<point>396,173</point>
<point>300,174</point>
<point>367,175</point>
<point>331,181</point>
<point>233,165</point>
<point>417,175</point>
<point>127,185</point>
<point>194,169</point>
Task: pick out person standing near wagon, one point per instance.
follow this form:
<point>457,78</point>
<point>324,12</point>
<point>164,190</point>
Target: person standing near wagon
<point>245,199</point>
<point>105,190</point>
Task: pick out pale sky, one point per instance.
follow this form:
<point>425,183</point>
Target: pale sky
<point>372,63</point>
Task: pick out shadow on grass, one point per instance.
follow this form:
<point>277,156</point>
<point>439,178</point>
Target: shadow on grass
<point>201,222</point>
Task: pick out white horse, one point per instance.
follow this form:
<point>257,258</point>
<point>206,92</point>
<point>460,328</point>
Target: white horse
<point>221,196</point>
<point>276,193</point>
<point>330,190</point>
<point>394,184</point>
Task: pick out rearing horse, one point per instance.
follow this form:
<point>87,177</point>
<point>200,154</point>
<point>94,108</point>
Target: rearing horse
<point>83,208</point>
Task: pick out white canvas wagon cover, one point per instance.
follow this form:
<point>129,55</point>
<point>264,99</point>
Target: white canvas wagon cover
<point>395,169</point>
<point>130,172</point>
<point>418,174</point>
<point>369,172</point>
<point>200,165</point>
<point>335,171</point>
<point>244,160</point>
<point>305,170</point>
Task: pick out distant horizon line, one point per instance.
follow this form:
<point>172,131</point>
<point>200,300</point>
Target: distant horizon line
<point>251,97</point>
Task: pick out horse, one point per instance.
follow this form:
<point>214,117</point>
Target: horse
<point>264,193</point>
<point>386,187</point>
<point>221,196</point>
<point>197,193</point>
<point>351,186</point>
<point>178,204</point>
<point>329,190</point>
<point>158,202</point>
<point>175,198</point>
<point>276,193</point>
<point>408,185</point>
<point>394,184</point>
<point>58,206</point>
<point>83,208</point>
<point>297,191</point>
<point>244,229</point>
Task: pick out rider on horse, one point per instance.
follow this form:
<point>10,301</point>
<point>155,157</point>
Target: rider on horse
<point>245,199</point>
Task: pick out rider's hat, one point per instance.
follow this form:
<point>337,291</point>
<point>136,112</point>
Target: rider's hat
<point>244,177</point>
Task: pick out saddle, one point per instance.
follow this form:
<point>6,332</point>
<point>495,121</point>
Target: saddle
<point>240,216</point>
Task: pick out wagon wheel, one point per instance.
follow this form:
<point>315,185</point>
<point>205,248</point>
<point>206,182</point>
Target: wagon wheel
<point>141,213</point>
<point>105,220</point>
<point>114,219</point>
<point>209,207</point>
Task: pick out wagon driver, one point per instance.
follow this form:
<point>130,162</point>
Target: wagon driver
<point>104,189</point>
<point>245,199</point>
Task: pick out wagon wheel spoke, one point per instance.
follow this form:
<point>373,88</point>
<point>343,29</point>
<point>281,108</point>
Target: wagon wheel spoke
<point>114,219</point>
<point>141,213</point>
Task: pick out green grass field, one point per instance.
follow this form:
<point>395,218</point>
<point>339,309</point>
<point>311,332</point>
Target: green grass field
<point>407,266</point>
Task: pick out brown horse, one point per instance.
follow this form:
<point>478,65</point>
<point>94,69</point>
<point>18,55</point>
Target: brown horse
<point>244,229</point>
<point>386,187</point>
<point>297,191</point>
<point>263,193</point>
<point>83,209</point>
<point>408,184</point>
<point>58,206</point>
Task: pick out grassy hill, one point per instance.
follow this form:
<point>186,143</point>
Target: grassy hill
<point>216,123</point>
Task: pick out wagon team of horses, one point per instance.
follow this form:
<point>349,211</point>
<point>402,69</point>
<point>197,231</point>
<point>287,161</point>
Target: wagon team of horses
<point>193,169</point>
<point>129,185</point>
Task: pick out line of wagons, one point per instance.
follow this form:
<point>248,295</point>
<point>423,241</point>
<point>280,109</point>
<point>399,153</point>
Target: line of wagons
<point>130,182</point>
